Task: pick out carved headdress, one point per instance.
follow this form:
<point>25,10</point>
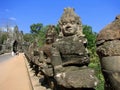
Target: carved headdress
<point>111,31</point>
<point>51,33</point>
<point>70,16</point>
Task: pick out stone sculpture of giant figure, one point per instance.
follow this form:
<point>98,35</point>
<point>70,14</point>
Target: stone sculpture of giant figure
<point>45,53</point>
<point>69,55</point>
<point>108,49</point>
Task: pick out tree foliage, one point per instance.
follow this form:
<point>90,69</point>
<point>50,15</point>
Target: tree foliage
<point>35,28</point>
<point>90,35</point>
<point>3,37</point>
<point>28,37</point>
<point>38,32</point>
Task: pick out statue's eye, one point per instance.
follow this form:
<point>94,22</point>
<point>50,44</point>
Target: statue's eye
<point>78,23</point>
<point>64,23</point>
<point>72,22</point>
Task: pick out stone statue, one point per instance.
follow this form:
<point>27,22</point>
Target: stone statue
<point>45,53</point>
<point>69,55</point>
<point>32,53</point>
<point>44,61</point>
<point>39,57</point>
<point>108,49</point>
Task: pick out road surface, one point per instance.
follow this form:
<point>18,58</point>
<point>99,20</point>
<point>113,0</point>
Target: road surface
<point>13,73</point>
<point>5,57</point>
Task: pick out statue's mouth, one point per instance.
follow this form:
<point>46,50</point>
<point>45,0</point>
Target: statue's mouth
<point>68,28</point>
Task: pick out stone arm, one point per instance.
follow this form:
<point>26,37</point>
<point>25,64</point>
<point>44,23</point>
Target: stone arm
<point>84,41</point>
<point>55,57</point>
<point>56,61</point>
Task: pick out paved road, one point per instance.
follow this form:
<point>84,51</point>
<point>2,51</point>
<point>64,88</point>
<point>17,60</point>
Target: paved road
<point>5,57</point>
<point>13,73</point>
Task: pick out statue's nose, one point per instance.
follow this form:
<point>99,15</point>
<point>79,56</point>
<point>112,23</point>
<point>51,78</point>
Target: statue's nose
<point>68,27</point>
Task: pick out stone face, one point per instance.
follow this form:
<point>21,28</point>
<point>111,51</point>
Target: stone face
<point>70,23</point>
<point>13,34</point>
<point>51,34</point>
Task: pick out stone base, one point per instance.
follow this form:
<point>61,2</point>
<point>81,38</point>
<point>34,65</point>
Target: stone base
<point>83,78</point>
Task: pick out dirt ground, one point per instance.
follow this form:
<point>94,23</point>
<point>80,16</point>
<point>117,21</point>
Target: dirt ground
<point>14,75</point>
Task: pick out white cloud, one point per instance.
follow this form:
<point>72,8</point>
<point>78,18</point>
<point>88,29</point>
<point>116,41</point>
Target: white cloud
<point>12,18</point>
<point>5,28</point>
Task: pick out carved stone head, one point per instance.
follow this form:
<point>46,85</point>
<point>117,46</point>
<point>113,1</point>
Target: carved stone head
<point>51,34</point>
<point>108,38</point>
<point>70,23</point>
<point>111,31</point>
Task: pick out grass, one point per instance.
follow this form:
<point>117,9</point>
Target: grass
<point>96,66</point>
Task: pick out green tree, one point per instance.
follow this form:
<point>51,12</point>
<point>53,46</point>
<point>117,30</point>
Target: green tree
<point>3,37</point>
<point>90,35</point>
<point>41,36</point>
<point>35,28</point>
<point>57,28</point>
<point>28,37</point>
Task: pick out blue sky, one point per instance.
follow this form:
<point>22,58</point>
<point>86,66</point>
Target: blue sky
<point>95,13</point>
